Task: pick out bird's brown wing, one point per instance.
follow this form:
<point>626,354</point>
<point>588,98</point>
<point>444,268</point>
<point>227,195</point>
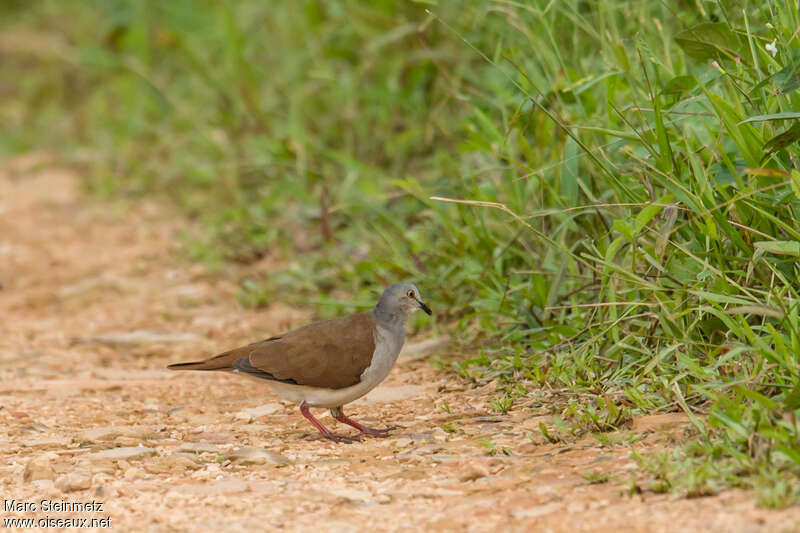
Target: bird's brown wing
<point>332,354</point>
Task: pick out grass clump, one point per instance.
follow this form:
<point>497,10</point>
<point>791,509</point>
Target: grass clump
<point>618,182</point>
<point>596,478</point>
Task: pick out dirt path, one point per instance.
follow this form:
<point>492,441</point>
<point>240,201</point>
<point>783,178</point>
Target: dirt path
<point>95,302</point>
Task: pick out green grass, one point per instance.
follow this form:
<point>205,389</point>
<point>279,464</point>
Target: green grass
<point>597,478</point>
<point>625,177</point>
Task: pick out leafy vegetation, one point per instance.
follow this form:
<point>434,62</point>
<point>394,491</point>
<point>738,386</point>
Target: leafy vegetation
<point>618,182</point>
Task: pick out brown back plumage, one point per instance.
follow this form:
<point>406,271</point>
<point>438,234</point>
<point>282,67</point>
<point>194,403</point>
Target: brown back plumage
<point>331,354</point>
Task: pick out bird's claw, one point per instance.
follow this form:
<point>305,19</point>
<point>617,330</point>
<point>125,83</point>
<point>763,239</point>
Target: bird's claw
<point>347,439</point>
<point>380,433</point>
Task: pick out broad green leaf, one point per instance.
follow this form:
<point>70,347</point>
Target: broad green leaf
<point>744,135</point>
<point>625,228</point>
<point>734,425</point>
<point>779,247</point>
<point>647,213</point>
<point>782,140</point>
<point>788,78</point>
<point>613,248</point>
<point>710,40</point>
<point>721,298</point>
<point>679,85</point>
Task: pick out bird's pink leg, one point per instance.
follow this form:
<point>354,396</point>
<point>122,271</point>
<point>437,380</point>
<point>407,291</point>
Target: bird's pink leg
<point>322,429</point>
<point>339,415</point>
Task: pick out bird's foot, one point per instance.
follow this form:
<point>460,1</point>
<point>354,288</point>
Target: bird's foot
<point>324,432</point>
<point>365,430</point>
<point>347,439</point>
<point>375,432</point>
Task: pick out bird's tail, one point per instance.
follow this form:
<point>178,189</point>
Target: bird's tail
<point>194,365</point>
<point>215,363</point>
<point>223,361</point>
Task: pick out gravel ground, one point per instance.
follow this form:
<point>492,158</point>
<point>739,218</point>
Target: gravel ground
<point>95,302</point>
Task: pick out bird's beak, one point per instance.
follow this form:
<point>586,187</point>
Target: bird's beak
<point>425,307</point>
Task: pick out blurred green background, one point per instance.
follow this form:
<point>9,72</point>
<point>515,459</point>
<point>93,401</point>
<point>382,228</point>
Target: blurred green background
<point>632,168</point>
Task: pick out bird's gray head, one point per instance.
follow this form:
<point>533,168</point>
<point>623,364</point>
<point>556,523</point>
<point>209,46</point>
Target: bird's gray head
<point>398,301</point>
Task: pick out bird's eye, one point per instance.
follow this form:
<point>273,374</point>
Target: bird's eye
<point>410,294</point>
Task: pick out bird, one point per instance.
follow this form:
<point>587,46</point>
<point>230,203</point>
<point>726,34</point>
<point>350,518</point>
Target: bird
<point>328,363</point>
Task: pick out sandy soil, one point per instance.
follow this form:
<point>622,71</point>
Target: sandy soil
<point>95,302</point>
